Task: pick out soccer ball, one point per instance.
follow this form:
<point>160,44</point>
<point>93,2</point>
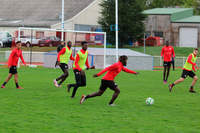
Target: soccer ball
<point>149,101</point>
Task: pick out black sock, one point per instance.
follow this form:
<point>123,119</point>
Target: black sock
<point>191,87</point>
<point>173,84</point>
<point>4,83</point>
<point>17,85</point>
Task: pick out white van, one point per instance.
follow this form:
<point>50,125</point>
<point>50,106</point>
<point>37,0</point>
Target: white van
<point>6,39</point>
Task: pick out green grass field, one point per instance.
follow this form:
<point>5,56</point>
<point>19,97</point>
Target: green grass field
<point>42,108</point>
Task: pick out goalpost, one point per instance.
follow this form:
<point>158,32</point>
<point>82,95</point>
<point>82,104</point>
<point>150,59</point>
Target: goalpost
<point>39,36</point>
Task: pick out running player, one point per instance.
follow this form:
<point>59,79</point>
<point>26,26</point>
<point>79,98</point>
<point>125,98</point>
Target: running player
<point>12,64</point>
<point>59,48</point>
<point>62,60</point>
<point>81,60</point>
<point>167,53</point>
<point>108,80</point>
<point>190,65</point>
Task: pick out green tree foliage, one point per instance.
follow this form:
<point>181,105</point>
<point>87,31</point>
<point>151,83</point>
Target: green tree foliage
<point>131,26</point>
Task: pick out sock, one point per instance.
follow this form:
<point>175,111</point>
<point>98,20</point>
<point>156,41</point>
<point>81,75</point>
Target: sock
<point>17,85</point>
<point>173,84</point>
<point>191,87</point>
<point>4,83</point>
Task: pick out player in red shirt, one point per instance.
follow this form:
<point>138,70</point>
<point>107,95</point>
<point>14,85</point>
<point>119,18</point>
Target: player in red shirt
<point>167,53</point>
<point>12,64</point>
<point>108,80</point>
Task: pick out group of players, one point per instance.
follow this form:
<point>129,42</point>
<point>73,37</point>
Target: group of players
<point>189,67</point>
<point>81,60</point>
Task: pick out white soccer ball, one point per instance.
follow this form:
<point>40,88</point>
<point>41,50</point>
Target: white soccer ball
<point>149,101</point>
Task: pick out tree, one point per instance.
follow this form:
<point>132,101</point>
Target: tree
<point>131,26</point>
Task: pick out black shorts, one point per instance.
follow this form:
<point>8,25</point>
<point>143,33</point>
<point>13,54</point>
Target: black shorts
<point>107,84</point>
<point>167,63</point>
<point>13,70</point>
<point>80,78</point>
<point>185,73</point>
<point>64,67</point>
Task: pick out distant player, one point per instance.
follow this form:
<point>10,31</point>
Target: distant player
<point>190,65</point>
<point>108,80</point>
<point>12,64</point>
<point>167,53</point>
<point>81,60</point>
<point>62,60</point>
<point>59,48</point>
<point>173,63</point>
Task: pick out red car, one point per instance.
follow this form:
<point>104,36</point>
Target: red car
<point>51,41</point>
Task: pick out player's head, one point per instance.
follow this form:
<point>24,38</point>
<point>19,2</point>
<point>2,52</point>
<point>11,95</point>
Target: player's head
<point>167,43</point>
<point>84,45</point>
<point>195,51</point>
<point>62,42</point>
<point>69,44</point>
<point>18,44</point>
<point>123,59</point>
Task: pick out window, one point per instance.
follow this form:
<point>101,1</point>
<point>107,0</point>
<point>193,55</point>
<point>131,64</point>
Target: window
<point>159,34</point>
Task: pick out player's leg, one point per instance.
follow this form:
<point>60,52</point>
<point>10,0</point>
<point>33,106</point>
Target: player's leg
<point>113,86</point>
<point>195,78</point>
<point>64,68</point>
<point>173,64</point>
<point>16,81</point>
<point>102,89</point>
<point>168,70</point>
<point>115,95</point>
<point>78,82</point>
<point>164,71</point>
<point>183,76</point>
<point>6,81</point>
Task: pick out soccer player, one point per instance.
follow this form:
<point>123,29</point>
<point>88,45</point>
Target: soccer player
<point>62,60</point>
<point>81,60</point>
<point>167,53</point>
<point>12,64</point>
<point>108,80</point>
<point>190,65</point>
<point>59,48</point>
<point>173,63</point>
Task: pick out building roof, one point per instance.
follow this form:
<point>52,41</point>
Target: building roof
<point>192,19</point>
<point>175,13</point>
<point>165,11</point>
<point>38,13</point>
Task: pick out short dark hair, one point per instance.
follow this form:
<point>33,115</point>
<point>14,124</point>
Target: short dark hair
<point>196,49</point>
<point>69,42</point>
<point>84,42</point>
<point>123,57</point>
<point>18,42</point>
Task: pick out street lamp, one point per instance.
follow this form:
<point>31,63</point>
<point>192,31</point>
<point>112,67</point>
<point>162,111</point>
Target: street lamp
<point>116,29</point>
<point>62,20</point>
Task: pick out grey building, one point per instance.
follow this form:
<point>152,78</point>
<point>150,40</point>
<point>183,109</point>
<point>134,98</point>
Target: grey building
<point>178,25</point>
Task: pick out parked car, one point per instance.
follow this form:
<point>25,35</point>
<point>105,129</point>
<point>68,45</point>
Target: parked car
<point>6,39</point>
<point>1,44</point>
<point>26,41</point>
<point>51,41</point>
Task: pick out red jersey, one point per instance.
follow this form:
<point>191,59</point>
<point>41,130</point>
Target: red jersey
<point>114,70</point>
<point>63,52</point>
<point>167,53</point>
<point>77,60</point>
<point>14,57</point>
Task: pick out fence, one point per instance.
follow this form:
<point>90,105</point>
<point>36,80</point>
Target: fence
<point>179,61</point>
<point>47,59</point>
